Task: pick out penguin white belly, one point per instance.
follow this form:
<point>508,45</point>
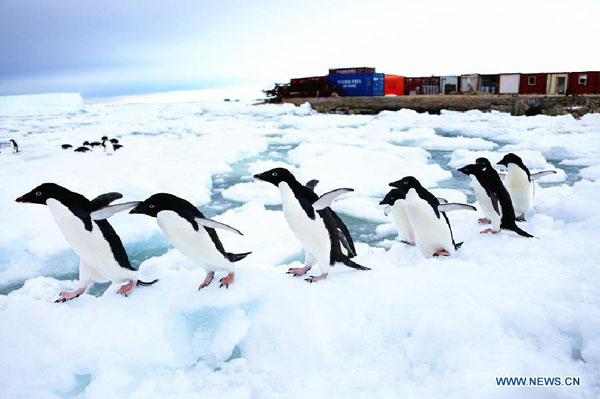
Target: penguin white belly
<point>431,233</point>
<point>91,246</point>
<point>195,245</point>
<point>311,233</point>
<point>400,216</point>
<point>520,188</point>
<point>485,202</point>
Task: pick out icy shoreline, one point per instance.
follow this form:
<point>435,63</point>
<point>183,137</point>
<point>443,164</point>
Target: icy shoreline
<point>411,327</point>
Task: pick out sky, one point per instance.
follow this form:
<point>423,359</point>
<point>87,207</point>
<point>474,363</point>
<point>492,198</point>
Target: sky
<point>107,47</point>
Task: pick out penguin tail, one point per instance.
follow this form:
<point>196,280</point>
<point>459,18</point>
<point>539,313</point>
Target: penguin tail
<point>346,261</point>
<point>236,257</point>
<point>460,244</point>
<point>141,283</point>
<point>520,232</point>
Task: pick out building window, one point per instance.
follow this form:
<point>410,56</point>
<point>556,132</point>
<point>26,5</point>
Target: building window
<point>531,81</point>
<point>583,79</point>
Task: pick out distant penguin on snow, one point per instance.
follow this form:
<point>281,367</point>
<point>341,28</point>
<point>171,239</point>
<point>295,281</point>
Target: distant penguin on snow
<point>82,149</point>
<point>396,206</point>
<point>313,223</point>
<point>192,234</point>
<point>493,198</point>
<point>14,145</point>
<point>433,234</point>
<point>84,225</point>
<point>66,146</point>
<point>109,148</point>
<point>520,183</point>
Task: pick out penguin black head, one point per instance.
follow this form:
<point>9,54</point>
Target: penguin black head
<point>394,195</point>
<point>160,202</point>
<point>87,143</point>
<point>407,183</point>
<point>470,169</point>
<point>276,176</point>
<point>42,193</point>
<point>483,163</point>
<point>114,141</point>
<point>14,142</point>
<point>104,138</point>
<point>511,158</point>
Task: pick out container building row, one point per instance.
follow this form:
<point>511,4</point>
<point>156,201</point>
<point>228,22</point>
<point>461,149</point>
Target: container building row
<point>365,81</point>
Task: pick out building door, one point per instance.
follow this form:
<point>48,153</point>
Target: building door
<point>560,84</point>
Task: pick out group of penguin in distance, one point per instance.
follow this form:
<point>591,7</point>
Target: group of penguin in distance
<point>109,145</point>
<point>420,217</point>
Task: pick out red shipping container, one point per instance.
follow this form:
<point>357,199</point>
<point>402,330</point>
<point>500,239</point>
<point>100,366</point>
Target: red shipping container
<point>532,83</point>
<point>394,84</point>
<point>584,82</point>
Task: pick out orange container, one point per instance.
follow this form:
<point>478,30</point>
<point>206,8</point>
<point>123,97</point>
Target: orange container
<point>394,85</point>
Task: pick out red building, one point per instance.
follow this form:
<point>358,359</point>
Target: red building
<point>584,82</point>
<point>425,85</point>
<point>532,83</point>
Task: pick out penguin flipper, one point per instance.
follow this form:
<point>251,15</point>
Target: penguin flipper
<point>442,200</point>
<point>311,184</point>
<point>326,199</point>
<point>495,203</point>
<point>216,225</point>
<point>108,211</point>
<point>539,175</point>
<point>344,234</point>
<point>105,199</point>
<point>453,206</point>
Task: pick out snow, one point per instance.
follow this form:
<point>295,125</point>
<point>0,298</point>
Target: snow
<point>63,101</point>
<point>411,327</point>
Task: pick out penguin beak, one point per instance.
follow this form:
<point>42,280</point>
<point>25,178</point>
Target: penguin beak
<point>382,202</point>
<point>463,170</point>
<point>258,176</point>
<point>20,199</point>
<point>134,210</point>
<point>501,162</point>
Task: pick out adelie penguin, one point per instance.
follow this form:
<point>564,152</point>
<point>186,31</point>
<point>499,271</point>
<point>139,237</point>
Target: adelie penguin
<point>82,149</point>
<point>84,225</point>
<point>192,234</point>
<point>493,198</point>
<point>66,146</point>
<point>520,183</point>
<point>433,234</point>
<point>314,224</point>
<point>396,206</point>
<point>14,145</point>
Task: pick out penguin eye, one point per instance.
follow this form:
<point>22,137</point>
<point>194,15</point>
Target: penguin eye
<point>38,193</point>
<point>151,206</point>
<point>274,173</point>
<point>406,183</point>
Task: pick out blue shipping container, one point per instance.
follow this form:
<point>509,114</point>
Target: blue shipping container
<point>358,84</point>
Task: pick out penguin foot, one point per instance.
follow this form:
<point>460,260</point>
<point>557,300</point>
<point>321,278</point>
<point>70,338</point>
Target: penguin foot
<point>65,296</point>
<point>521,218</point>
<point>225,281</point>
<point>486,231</point>
<point>441,252</point>
<point>484,221</point>
<point>312,279</point>
<point>207,280</point>
<point>298,271</point>
<point>127,289</point>
<point>408,242</point>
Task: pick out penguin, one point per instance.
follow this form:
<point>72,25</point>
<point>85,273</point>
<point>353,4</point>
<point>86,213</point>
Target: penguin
<point>14,145</point>
<point>95,144</point>
<point>104,138</point>
<point>109,148</point>
<point>396,206</point>
<point>114,141</point>
<point>86,144</point>
<point>192,234</point>
<point>66,146</point>
<point>81,149</point>
<point>520,183</point>
<point>83,223</point>
<point>432,230</point>
<point>117,146</point>
<point>493,197</point>
<point>312,221</point>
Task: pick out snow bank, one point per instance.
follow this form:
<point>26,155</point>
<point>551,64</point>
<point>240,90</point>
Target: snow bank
<point>9,104</point>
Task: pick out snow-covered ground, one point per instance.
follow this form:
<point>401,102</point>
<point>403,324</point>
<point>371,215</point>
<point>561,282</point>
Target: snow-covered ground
<point>410,328</point>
